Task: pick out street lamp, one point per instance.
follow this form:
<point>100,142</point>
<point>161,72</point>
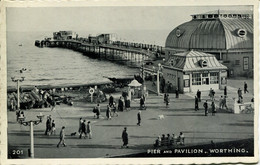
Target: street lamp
<point>31,123</point>
<point>158,78</point>
<point>18,89</point>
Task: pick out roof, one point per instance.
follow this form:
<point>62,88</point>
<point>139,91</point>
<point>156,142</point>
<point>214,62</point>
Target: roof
<point>212,34</point>
<point>190,61</point>
<point>228,12</point>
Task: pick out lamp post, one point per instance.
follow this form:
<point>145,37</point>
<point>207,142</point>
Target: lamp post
<point>158,78</point>
<point>17,80</point>
<point>31,123</point>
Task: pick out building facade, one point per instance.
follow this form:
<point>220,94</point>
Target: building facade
<point>65,35</point>
<point>226,34</point>
<point>192,70</point>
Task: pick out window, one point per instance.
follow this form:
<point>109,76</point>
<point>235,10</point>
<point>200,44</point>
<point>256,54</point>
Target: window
<point>205,78</point>
<point>246,63</point>
<point>196,79</point>
<point>210,16</point>
<point>214,78</point>
<point>241,33</point>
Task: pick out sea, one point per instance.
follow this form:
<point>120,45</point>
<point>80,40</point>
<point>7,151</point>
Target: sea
<point>57,66</point>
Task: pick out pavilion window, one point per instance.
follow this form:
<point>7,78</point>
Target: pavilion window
<point>214,78</point>
<point>205,78</point>
<point>196,79</point>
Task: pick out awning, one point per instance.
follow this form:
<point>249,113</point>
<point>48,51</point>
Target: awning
<point>134,83</point>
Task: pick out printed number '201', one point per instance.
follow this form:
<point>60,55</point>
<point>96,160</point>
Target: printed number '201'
<point>17,152</point>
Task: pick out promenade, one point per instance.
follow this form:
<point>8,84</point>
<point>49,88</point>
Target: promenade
<point>107,142</point>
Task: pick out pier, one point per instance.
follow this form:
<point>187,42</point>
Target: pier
<point>133,54</point>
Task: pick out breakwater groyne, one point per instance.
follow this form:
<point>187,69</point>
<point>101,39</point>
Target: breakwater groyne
<point>133,54</point>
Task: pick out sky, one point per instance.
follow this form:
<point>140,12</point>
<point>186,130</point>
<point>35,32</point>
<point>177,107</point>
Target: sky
<point>103,18</point>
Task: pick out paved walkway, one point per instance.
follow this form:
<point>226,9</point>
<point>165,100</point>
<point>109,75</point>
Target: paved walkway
<point>106,142</point>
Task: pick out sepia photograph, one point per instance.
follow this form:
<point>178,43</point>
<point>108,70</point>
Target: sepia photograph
<point>136,81</point>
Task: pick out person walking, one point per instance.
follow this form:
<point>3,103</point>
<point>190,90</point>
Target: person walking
<point>240,97</point>
<point>89,130</point>
<point>108,112</point>
<point>120,104</point>
<point>213,108</point>
<point>48,125</point>
<point>199,95</point>
<point>139,118</point>
<point>125,138</point>
<point>83,129</point>
<point>224,103</point>
<point>111,100</point>
<point>80,125</point>
<point>98,111</point>
<point>177,93</point>
<point>239,93</point>
<point>53,129</point>
<point>225,91</point>
<point>213,94</point>
<point>210,93</point>
<point>196,103</point>
<point>221,102</point>
<point>167,100</point>
<point>62,137</point>
<point>142,103</point>
<point>245,88</point>
<point>205,105</point>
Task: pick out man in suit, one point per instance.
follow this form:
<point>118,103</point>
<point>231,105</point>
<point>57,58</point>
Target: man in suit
<point>196,103</point>
<point>205,105</point>
<point>62,137</point>
<point>125,138</point>
<point>139,118</point>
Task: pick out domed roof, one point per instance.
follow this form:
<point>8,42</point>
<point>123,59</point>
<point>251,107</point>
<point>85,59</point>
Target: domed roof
<point>213,31</point>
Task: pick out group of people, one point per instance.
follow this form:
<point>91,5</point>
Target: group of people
<point>222,100</point>
<point>112,109</point>
<point>169,140</point>
<point>50,126</point>
<point>84,129</point>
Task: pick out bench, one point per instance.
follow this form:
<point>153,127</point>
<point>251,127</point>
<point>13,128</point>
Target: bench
<point>171,142</point>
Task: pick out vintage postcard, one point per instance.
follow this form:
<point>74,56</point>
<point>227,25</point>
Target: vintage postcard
<point>129,82</point>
